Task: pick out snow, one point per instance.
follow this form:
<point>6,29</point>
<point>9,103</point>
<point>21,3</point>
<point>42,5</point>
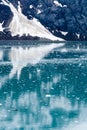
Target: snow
<point>64,33</point>
<point>21,25</point>
<point>31,6</point>
<point>78,35</point>
<point>20,57</point>
<point>39,11</point>
<point>58,4</point>
<point>1,28</point>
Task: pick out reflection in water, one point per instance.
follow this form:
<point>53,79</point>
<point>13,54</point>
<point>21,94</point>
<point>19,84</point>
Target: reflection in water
<point>48,96</point>
<point>1,55</point>
<point>21,57</point>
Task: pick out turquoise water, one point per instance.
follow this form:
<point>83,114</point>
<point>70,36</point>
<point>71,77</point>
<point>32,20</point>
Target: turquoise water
<point>49,95</point>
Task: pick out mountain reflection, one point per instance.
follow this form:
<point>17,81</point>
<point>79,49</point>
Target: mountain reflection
<point>47,96</point>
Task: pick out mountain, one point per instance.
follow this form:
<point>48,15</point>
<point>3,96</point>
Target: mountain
<point>49,19</point>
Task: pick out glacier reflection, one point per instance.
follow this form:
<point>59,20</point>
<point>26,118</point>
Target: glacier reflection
<point>47,96</point>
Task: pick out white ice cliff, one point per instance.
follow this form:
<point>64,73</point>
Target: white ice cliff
<point>21,25</point>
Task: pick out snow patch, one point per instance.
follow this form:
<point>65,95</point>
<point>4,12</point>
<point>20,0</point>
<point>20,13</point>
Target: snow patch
<point>78,35</point>
<point>31,6</point>
<point>58,4</point>
<point>64,33</point>
<point>1,28</point>
<point>38,11</point>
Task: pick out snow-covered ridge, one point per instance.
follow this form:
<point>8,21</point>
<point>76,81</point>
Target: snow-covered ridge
<point>21,25</point>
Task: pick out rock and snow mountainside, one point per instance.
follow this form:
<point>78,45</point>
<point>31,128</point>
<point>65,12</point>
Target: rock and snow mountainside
<point>20,25</point>
<point>50,19</point>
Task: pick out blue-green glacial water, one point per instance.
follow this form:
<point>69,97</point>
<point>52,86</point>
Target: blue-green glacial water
<point>43,86</point>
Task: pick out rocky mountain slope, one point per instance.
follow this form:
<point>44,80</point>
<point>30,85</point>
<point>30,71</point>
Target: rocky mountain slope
<point>50,19</point>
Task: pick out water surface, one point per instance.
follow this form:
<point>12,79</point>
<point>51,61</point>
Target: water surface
<point>48,94</point>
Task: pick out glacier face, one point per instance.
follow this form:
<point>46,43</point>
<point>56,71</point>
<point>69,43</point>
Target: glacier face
<point>63,18</point>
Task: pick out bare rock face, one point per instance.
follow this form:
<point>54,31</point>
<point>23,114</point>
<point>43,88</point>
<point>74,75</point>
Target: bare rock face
<point>63,18</point>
